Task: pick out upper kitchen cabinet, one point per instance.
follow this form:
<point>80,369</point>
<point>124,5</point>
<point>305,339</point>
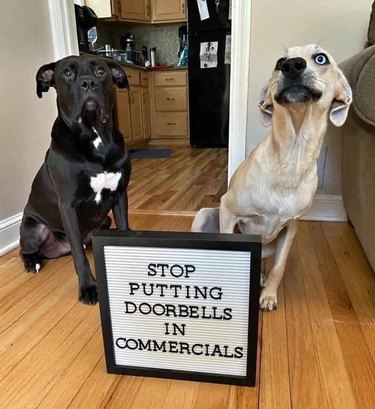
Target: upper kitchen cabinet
<point>105,8</point>
<point>143,11</point>
<point>164,11</point>
<point>135,10</point>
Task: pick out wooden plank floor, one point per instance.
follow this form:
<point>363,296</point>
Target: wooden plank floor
<point>185,182</point>
<point>317,350</point>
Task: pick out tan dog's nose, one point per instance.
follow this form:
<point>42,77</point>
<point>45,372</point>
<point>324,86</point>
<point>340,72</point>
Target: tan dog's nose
<point>293,67</point>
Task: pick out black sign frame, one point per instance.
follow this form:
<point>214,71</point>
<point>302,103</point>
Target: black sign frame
<point>208,241</point>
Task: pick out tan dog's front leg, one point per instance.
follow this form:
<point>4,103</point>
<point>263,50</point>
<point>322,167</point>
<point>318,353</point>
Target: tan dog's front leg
<point>227,220</point>
<point>268,297</point>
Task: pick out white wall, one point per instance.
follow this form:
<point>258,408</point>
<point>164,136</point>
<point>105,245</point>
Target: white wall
<point>25,121</point>
<point>340,26</point>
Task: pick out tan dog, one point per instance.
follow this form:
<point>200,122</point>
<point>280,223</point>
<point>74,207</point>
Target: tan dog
<point>276,183</point>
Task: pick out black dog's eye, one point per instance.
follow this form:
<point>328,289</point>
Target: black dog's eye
<point>100,71</point>
<point>68,73</point>
<point>321,59</point>
<point>279,64</point>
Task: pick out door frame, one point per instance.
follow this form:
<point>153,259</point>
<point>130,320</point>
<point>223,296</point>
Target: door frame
<point>64,35</point>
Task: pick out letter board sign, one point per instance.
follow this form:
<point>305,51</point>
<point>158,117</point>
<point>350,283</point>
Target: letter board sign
<point>179,305</point>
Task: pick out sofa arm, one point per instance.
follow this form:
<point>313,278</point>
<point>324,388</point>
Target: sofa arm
<point>360,72</point>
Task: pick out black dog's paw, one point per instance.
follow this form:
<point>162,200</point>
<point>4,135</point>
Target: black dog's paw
<point>88,295</point>
<point>106,223</point>
<point>32,262</point>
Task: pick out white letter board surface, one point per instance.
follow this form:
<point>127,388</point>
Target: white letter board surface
<point>179,305</point>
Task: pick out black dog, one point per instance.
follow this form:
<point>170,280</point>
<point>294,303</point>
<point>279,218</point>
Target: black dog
<point>86,169</point>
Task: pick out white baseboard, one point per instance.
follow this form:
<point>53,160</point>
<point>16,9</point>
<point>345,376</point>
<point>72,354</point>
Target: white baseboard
<point>9,233</point>
<point>329,208</point>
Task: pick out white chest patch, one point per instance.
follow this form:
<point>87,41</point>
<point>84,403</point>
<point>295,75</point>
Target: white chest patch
<point>98,140</point>
<point>104,181</point>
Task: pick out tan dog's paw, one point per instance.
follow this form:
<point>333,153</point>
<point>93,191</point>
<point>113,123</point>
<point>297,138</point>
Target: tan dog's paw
<point>268,302</point>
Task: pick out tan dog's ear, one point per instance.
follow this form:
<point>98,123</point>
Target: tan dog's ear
<point>343,98</point>
<point>265,105</point>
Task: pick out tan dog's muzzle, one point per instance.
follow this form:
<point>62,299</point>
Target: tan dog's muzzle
<point>296,83</point>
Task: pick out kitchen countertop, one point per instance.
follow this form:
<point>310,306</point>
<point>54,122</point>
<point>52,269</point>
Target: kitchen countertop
<point>140,67</point>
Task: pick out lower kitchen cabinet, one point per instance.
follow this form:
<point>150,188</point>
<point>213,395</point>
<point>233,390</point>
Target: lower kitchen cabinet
<point>123,114</point>
<point>146,120</point>
<point>169,107</point>
<point>136,114</point>
<point>133,109</point>
<point>155,109</point>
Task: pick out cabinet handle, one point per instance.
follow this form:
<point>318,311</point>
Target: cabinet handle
<point>183,8</point>
<point>129,76</point>
<point>169,79</point>
<point>148,9</point>
<point>170,98</point>
<point>171,123</point>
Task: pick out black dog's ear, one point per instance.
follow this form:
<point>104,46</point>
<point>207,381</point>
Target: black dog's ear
<point>45,78</point>
<point>118,74</point>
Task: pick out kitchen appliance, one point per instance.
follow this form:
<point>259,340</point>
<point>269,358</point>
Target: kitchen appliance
<point>153,56</point>
<point>209,29</point>
<point>85,20</point>
<point>182,39</point>
<point>127,44</point>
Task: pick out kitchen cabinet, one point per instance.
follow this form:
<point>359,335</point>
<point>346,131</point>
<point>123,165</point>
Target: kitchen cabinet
<point>123,114</point>
<point>168,10</point>
<point>105,8</point>
<point>146,120</point>
<point>135,10</point>
<point>136,114</point>
<point>143,11</point>
<point>133,109</point>
<point>169,108</point>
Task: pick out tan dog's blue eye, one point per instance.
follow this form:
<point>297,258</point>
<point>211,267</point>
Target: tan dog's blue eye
<point>321,59</point>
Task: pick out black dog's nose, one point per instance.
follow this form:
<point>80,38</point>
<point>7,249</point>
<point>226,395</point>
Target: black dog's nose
<point>293,67</point>
<point>88,85</point>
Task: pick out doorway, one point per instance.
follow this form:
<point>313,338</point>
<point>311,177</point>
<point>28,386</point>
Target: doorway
<point>65,43</point>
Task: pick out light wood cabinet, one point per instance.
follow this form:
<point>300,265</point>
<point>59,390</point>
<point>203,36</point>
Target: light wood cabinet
<point>105,8</point>
<point>133,109</point>
<point>135,10</point>
<point>172,124</point>
<point>146,120</point>
<point>123,114</point>
<point>136,114</point>
<point>169,107</point>
<point>168,10</point>
<point>171,99</point>
<point>144,11</point>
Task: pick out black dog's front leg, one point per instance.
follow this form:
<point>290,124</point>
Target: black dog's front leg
<point>120,212</point>
<point>87,285</point>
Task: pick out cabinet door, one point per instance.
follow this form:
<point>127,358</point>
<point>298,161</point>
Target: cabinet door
<point>168,10</point>
<point>123,114</point>
<point>135,10</point>
<point>136,113</point>
<point>146,114</point>
<point>172,124</point>
<point>104,8</point>
<point>171,99</point>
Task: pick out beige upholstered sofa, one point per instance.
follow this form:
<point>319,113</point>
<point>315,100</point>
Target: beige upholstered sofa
<point>358,138</point>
